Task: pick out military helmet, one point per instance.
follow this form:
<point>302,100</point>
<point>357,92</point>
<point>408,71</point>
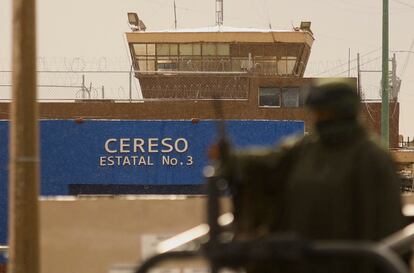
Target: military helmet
<point>336,96</point>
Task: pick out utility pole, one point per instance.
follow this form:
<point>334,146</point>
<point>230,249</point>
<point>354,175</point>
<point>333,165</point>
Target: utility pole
<point>385,82</point>
<point>24,151</point>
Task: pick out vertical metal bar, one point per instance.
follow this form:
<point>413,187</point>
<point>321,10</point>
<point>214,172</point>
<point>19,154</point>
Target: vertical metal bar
<point>90,91</point>
<point>83,87</point>
<point>175,16</point>
<point>130,84</point>
<point>394,79</point>
<point>359,75</point>
<point>103,92</point>
<point>24,151</point>
<point>385,82</point>
<point>349,62</point>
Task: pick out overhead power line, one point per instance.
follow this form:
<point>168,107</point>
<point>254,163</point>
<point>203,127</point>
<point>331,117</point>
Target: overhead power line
<point>404,3</point>
<point>344,64</point>
<point>370,61</point>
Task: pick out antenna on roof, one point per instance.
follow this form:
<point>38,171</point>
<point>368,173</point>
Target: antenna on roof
<point>175,16</point>
<point>219,12</point>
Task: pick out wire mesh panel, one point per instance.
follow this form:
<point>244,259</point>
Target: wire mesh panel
<point>195,86</point>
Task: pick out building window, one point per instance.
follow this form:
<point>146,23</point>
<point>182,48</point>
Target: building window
<point>186,49</point>
<point>290,97</point>
<point>163,49</point>
<point>209,49</point>
<point>286,65</point>
<point>223,49</point>
<point>190,49</point>
<point>269,97</point>
<point>151,49</point>
<point>167,49</point>
<point>166,65</point>
<point>140,49</point>
<point>144,49</point>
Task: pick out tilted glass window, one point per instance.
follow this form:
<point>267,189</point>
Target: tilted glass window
<point>140,49</point>
<point>286,65</point>
<point>174,49</point>
<point>209,49</point>
<point>190,49</point>
<point>167,49</point>
<point>269,96</point>
<point>151,49</point>
<point>151,64</point>
<point>223,49</point>
<point>163,49</point>
<point>186,49</point>
<point>196,49</point>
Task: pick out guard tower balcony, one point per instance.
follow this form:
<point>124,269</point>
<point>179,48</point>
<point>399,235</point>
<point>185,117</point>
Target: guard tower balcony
<point>219,60</point>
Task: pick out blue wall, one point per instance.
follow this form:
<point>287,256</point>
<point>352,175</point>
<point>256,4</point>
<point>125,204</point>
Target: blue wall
<point>75,153</point>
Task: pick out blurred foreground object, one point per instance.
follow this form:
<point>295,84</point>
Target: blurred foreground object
<point>24,152</point>
<point>333,184</point>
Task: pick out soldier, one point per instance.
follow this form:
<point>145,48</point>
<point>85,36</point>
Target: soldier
<point>335,183</point>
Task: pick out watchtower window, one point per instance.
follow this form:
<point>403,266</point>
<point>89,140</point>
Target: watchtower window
<point>223,49</point>
<point>269,97</point>
<point>144,49</point>
<point>190,49</point>
<point>167,49</point>
<point>209,49</point>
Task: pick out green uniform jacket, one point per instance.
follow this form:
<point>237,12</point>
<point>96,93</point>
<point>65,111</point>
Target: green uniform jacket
<point>334,184</point>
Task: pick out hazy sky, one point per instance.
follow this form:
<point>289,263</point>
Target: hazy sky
<point>93,30</point>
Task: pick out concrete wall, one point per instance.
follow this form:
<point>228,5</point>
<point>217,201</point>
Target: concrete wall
<point>89,235</point>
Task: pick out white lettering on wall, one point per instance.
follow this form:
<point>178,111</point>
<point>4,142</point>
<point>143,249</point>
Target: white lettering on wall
<point>152,144</point>
<point>166,143</point>
<point>138,143</point>
<point>184,145</point>
<point>124,145</point>
<point>107,149</point>
<point>140,152</point>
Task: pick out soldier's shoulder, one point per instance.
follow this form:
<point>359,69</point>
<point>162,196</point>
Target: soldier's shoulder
<point>296,141</point>
<point>373,148</point>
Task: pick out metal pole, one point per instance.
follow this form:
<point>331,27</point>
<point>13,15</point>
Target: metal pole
<point>103,92</point>
<point>24,151</point>
<point>385,83</point>
<point>359,75</point>
<point>83,87</point>
<point>394,87</point>
<point>349,62</point>
<point>175,16</point>
<point>130,83</point>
